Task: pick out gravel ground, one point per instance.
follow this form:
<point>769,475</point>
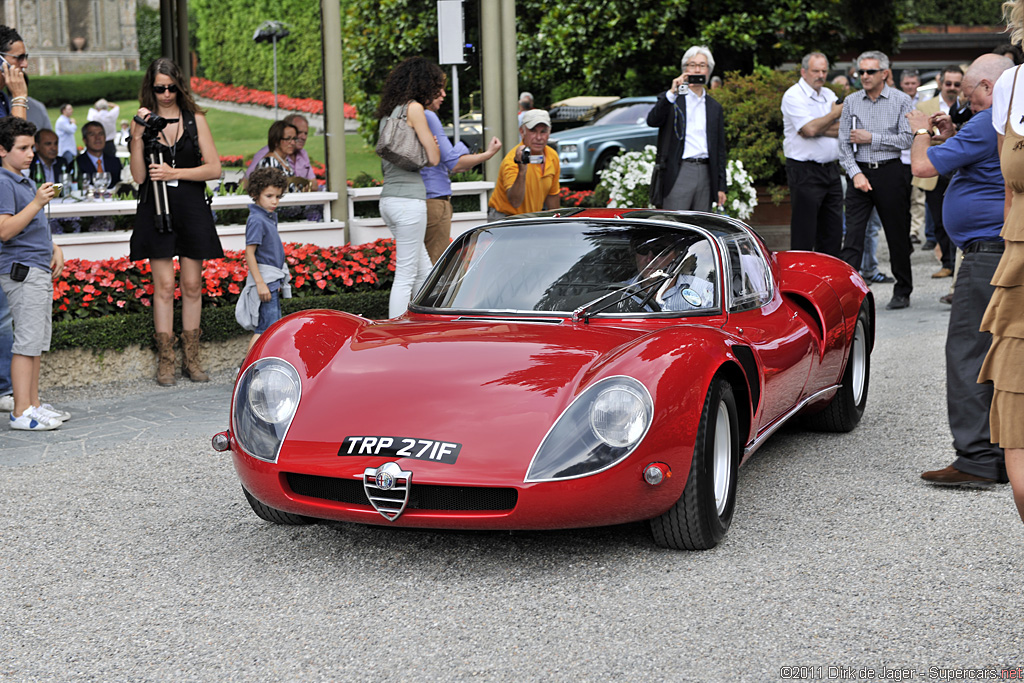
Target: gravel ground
<point>142,562</point>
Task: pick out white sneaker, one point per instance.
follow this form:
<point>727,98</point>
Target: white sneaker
<point>34,421</point>
<point>7,403</point>
<point>62,415</point>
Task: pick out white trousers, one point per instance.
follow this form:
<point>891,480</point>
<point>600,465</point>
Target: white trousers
<point>407,221</point>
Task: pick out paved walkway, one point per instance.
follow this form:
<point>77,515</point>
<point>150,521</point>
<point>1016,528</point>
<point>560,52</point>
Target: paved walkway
<point>121,416</point>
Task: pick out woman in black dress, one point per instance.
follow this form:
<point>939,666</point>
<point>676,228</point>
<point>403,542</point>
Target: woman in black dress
<point>189,159</point>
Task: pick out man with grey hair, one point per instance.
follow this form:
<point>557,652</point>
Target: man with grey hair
<point>873,131</point>
<point>973,216</point>
<point>810,117</point>
<point>690,168</point>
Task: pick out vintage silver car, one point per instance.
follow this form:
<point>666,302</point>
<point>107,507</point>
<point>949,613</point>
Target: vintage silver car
<point>586,150</point>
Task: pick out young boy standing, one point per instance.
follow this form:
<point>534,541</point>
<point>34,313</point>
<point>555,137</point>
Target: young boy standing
<point>264,255</point>
<point>29,261</point>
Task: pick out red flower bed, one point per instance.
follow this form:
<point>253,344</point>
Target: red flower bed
<point>232,160</point>
<point>243,95</point>
<point>569,198</point>
<point>97,288</point>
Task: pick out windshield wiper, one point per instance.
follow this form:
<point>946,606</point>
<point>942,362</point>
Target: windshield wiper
<point>646,286</point>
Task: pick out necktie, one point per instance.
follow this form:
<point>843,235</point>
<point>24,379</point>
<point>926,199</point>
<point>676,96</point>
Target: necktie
<point>99,165</point>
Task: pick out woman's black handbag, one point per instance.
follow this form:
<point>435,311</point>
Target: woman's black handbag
<point>399,144</point>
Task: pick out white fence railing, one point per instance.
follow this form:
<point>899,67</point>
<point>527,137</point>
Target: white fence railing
<point>362,230</point>
<point>101,245</point>
<point>328,233</point>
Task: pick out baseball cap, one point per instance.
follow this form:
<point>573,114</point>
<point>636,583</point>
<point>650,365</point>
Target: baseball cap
<point>534,116</point>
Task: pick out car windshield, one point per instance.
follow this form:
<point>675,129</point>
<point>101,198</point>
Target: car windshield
<point>634,113</point>
<point>586,268</point>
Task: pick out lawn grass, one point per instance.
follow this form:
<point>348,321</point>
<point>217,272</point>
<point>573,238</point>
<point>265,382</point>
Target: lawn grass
<point>241,134</point>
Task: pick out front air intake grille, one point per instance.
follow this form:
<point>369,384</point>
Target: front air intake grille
<point>421,496</point>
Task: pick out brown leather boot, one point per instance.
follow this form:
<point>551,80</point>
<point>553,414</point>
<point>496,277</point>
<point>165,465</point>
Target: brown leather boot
<point>165,359</point>
<point>190,366</point>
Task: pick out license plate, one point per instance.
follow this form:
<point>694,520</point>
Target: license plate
<point>401,447</point>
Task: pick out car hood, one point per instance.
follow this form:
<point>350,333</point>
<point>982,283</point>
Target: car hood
<point>597,134</point>
<point>494,387</point>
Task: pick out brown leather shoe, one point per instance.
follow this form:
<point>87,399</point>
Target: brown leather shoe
<point>951,476</point>
<point>946,299</point>
<point>942,272</point>
<point>190,365</point>
<point>165,359</point>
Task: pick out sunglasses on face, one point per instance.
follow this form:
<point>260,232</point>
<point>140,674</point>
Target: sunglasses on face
<point>161,89</point>
<point>951,84</point>
<point>287,139</point>
<point>868,72</point>
<point>17,58</point>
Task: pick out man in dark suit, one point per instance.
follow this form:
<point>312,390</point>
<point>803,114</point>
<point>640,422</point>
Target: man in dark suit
<point>690,171</point>
<point>47,159</point>
<point>94,159</point>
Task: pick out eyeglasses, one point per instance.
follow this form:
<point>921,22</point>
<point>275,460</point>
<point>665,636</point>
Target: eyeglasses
<point>287,139</point>
<point>696,65</point>
<point>869,72</point>
<point>951,84</point>
<point>161,89</point>
<point>18,58</point>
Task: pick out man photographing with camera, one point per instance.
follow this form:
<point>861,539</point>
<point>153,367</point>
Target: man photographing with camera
<point>528,175</point>
<point>690,169</point>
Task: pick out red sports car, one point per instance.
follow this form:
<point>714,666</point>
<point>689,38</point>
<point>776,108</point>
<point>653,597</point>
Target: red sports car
<point>568,369</point>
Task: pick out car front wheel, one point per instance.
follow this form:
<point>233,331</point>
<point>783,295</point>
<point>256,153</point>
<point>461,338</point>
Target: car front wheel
<point>846,408</point>
<point>273,514</point>
<point>701,516</point>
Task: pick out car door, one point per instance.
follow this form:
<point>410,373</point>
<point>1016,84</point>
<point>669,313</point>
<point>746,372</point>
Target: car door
<point>780,339</point>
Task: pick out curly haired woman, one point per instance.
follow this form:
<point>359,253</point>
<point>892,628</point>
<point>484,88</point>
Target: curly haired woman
<point>403,200</point>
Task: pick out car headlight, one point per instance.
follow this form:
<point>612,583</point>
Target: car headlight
<point>601,427</point>
<point>569,150</point>
<point>266,398</point>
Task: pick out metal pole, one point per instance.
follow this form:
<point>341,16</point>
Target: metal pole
<point>490,80</point>
<point>455,103</point>
<point>183,58</point>
<point>166,29</point>
<point>275,77</point>
<point>509,75</point>
<point>334,109</point>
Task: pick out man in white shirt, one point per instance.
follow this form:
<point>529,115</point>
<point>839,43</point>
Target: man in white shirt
<point>690,170</point>
<point>810,115</point>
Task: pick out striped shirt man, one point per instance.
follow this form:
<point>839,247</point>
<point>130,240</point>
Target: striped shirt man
<point>885,118</point>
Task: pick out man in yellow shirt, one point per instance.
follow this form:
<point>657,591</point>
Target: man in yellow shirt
<point>528,175</point>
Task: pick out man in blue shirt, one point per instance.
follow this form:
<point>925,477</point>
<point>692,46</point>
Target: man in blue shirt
<point>454,159</point>
<point>972,211</point>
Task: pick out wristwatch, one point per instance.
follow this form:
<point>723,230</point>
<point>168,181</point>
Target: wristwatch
<point>922,131</point>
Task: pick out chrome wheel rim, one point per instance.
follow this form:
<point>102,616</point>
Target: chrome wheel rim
<point>722,458</point>
<point>858,361</point>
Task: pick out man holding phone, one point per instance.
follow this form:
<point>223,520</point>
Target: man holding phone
<point>13,102</point>
<point>690,169</point>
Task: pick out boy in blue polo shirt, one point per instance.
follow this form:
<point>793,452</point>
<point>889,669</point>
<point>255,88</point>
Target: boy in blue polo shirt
<point>264,255</point>
<point>29,261</point>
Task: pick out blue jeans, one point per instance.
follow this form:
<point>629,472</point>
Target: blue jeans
<point>869,261</point>
<point>6,342</point>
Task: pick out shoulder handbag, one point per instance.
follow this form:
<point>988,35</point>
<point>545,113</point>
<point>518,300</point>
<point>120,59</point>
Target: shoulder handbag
<point>399,144</point>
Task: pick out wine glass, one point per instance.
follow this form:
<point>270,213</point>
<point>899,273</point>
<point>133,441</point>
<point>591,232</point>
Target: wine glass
<point>87,186</point>
<point>101,181</point>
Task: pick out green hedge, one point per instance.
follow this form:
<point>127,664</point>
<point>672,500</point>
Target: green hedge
<point>120,331</point>
<point>54,91</point>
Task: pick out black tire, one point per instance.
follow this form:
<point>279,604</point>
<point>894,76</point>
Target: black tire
<point>273,514</point>
<point>699,519</point>
<point>847,407</point>
<point>602,163</point>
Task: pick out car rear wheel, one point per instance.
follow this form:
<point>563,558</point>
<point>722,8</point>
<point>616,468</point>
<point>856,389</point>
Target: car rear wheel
<point>701,516</point>
<point>273,514</point>
<point>602,163</point>
<point>846,408</point>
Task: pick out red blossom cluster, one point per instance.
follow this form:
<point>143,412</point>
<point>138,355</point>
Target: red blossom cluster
<point>243,95</point>
<point>88,289</point>
<point>232,160</point>
<point>569,198</point>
